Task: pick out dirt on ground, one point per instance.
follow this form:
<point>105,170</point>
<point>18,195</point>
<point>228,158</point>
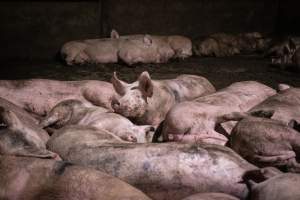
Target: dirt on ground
<point>220,71</point>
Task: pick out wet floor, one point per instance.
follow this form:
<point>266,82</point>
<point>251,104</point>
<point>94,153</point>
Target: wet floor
<point>220,71</point>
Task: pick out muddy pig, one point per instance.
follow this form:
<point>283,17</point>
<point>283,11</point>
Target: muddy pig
<point>271,184</point>
<point>40,179</point>
<point>199,120</point>
<point>21,138</point>
<point>265,142</point>
<point>162,171</point>
<point>147,101</point>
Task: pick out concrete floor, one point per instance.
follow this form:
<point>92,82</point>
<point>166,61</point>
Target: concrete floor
<point>220,71</point>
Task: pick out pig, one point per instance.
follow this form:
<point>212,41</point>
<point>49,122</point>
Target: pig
<point>39,96</point>
<point>20,138</point>
<point>147,101</point>
<point>199,120</point>
<point>76,134</point>
<point>95,51</point>
<point>285,104</point>
<point>162,171</point>
<point>211,196</point>
<point>223,44</point>
<point>296,59</point>
<point>275,186</point>
<point>173,46</point>
<point>74,112</point>
<point>143,50</point>
<point>40,179</point>
<point>265,142</point>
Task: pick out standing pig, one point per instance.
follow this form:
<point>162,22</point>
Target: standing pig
<point>211,196</point>
<point>42,179</point>
<point>21,138</point>
<point>74,112</point>
<point>276,185</point>
<point>162,171</point>
<point>197,120</point>
<point>39,96</point>
<point>147,101</point>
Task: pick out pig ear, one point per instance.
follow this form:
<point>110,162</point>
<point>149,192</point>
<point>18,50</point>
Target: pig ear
<point>234,116</point>
<point>37,153</point>
<point>114,34</point>
<point>145,84</point>
<point>147,40</point>
<point>119,85</point>
<point>260,175</point>
<point>294,124</point>
<point>292,44</point>
<point>263,113</point>
<point>283,87</point>
<point>10,119</point>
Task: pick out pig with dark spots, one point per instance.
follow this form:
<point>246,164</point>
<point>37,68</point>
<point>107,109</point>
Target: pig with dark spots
<point>265,142</point>
<point>74,112</point>
<point>198,120</point>
<point>39,96</point>
<point>211,196</point>
<point>162,171</point>
<point>285,104</point>
<point>147,101</point>
<point>276,186</point>
<point>40,179</point>
<point>21,139</point>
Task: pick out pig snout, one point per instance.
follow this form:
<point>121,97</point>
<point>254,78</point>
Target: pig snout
<point>115,104</point>
<point>129,138</point>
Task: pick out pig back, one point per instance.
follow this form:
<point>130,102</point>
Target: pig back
<point>167,171</point>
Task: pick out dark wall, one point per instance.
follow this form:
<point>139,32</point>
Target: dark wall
<point>190,17</point>
<point>36,30</point>
<point>32,30</point>
<point>289,17</point>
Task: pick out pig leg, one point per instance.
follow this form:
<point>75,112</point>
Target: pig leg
<point>281,159</point>
<point>294,166</point>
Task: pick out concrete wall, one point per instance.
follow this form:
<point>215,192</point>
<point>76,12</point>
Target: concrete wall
<point>32,30</point>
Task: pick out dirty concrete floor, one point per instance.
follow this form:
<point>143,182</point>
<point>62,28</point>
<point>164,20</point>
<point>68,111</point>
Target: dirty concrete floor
<point>220,71</point>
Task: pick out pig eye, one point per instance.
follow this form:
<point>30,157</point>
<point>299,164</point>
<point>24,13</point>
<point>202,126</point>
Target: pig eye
<point>134,88</point>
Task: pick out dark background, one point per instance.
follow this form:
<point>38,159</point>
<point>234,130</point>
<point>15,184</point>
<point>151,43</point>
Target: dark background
<point>35,30</point>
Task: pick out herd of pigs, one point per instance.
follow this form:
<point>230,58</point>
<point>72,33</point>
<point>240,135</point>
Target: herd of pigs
<point>145,48</point>
<point>151,139</point>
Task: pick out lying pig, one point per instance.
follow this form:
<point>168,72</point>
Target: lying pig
<point>265,142</point>
<point>74,112</point>
<point>39,96</point>
<point>285,104</point>
<point>222,44</point>
<point>147,101</point>
<point>21,138</point>
<point>198,120</point>
<point>162,171</point>
<point>40,179</point>
<point>211,196</point>
<point>277,186</point>
<point>103,50</point>
<point>144,49</point>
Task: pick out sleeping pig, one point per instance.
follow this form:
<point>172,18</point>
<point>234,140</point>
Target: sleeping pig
<point>162,171</point>
<point>74,112</point>
<point>199,120</point>
<point>39,96</point>
<point>43,179</point>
